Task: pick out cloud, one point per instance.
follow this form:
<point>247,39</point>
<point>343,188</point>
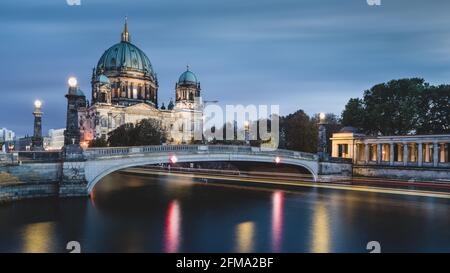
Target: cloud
<point>301,54</point>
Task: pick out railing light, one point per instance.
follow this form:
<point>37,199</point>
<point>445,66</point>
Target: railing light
<point>277,160</point>
<point>173,159</point>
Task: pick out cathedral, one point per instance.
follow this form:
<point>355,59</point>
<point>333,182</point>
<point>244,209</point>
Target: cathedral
<point>125,90</point>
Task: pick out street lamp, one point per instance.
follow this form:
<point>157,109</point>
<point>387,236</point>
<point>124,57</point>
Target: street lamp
<point>322,118</point>
<point>246,131</point>
<point>37,143</point>
<point>72,82</point>
<point>322,138</point>
<point>37,104</point>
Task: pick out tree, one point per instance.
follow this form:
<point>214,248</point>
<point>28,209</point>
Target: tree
<point>354,114</point>
<point>391,108</point>
<point>298,132</point>
<point>145,132</point>
<point>123,135</point>
<point>434,111</point>
<point>399,107</point>
<point>98,142</point>
<point>149,132</point>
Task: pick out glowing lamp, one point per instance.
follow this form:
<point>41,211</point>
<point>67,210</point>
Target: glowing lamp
<point>72,82</point>
<point>37,103</point>
<point>322,116</point>
<point>173,159</point>
<point>277,160</point>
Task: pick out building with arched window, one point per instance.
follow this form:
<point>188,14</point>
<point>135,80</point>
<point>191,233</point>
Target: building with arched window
<point>125,90</point>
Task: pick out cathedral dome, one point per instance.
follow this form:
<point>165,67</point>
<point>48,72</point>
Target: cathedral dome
<point>125,56</point>
<point>124,75</point>
<point>187,78</point>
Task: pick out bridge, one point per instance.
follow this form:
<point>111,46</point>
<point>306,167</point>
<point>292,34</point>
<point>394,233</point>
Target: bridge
<point>78,175</point>
<point>103,161</point>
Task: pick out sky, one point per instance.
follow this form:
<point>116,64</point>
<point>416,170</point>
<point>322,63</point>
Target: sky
<point>299,54</point>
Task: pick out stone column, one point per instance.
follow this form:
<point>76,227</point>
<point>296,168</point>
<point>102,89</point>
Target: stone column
<point>378,153</point>
<point>405,154</point>
<point>37,141</point>
<point>435,154</point>
<point>391,153</point>
<point>420,154</point>
<point>322,138</point>
<point>366,152</point>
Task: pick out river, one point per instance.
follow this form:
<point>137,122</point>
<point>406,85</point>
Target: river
<point>129,213</point>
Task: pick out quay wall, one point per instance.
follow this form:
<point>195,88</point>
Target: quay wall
<point>21,181</point>
<point>415,173</point>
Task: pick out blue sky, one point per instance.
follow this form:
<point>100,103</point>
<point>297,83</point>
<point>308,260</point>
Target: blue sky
<point>300,54</point>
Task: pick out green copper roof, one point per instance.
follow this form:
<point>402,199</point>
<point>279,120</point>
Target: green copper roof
<point>125,56</point>
<point>103,79</point>
<point>187,78</point>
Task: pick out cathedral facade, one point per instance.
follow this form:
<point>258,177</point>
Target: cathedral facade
<point>125,90</point>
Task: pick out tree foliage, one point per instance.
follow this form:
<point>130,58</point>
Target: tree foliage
<point>98,142</point>
<point>145,132</point>
<point>399,107</point>
<point>299,132</point>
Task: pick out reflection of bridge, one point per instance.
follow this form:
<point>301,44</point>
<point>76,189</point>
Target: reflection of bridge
<point>101,162</point>
<point>77,174</point>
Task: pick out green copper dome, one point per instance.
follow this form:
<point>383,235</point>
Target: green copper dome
<point>125,56</point>
<point>187,78</point>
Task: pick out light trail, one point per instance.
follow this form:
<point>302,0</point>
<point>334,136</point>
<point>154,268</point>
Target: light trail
<point>347,187</point>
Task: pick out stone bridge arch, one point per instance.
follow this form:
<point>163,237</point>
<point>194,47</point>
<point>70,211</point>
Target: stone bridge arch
<point>101,162</point>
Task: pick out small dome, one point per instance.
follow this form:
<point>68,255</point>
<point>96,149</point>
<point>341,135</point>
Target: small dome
<point>188,78</point>
<point>103,79</point>
<point>170,106</point>
<point>349,129</point>
<point>76,92</point>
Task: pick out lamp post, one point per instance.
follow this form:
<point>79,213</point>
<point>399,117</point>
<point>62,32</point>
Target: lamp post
<point>247,133</point>
<point>37,143</point>
<point>322,138</point>
<point>203,104</point>
<point>75,100</point>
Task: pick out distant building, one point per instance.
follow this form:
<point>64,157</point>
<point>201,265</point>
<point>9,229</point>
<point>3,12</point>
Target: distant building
<point>6,135</point>
<point>23,143</point>
<point>409,150</point>
<point>54,140</point>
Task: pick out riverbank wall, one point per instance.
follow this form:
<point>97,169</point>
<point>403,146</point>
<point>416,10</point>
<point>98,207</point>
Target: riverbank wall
<point>22,181</point>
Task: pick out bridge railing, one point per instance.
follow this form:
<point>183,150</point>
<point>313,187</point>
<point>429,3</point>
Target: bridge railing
<point>93,153</point>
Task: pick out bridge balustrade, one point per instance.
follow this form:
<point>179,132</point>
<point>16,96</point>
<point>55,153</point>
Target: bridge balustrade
<point>93,153</point>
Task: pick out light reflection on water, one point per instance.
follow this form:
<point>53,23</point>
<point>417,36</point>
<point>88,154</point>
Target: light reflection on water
<point>277,220</point>
<point>245,233</point>
<point>36,237</point>
<point>173,214</point>
<point>172,228</point>
<point>320,229</point>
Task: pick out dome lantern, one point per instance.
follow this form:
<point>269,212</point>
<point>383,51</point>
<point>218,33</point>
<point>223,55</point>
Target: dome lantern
<point>125,33</point>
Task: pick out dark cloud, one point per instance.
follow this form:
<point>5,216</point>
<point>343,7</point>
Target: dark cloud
<point>311,54</point>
